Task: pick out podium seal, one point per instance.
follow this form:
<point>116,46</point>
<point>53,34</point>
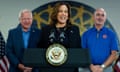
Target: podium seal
<point>56,54</point>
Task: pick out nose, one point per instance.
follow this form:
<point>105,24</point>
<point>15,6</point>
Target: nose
<point>63,13</point>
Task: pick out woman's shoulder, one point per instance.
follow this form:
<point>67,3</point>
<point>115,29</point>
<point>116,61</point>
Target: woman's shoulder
<point>47,27</point>
<point>74,27</point>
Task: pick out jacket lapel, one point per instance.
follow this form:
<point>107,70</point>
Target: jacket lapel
<point>20,37</point>
<point>32,31</point>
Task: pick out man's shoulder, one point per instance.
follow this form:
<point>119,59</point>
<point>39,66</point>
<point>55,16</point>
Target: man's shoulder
<point>13,29</point>
<point>36,29</point>
<point>89,30</point>
<point>108,30</point>
<point>73,27</point>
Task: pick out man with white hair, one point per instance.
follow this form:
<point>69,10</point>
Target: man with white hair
<point>19,39</point>
<point>101,42</point>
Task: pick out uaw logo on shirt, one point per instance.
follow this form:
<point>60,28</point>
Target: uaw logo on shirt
<point>56,54</point>
<point>104,36</point>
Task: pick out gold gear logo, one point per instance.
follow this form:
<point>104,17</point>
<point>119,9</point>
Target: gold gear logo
<point>81,15</point>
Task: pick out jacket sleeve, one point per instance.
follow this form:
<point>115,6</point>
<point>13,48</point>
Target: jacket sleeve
<point>10,50</point>
<point>74,37</point>
<point>84,40</point>
<point>43,42</point>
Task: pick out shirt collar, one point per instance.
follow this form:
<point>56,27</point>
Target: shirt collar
<point>102,29</point>
<point>27,31</point>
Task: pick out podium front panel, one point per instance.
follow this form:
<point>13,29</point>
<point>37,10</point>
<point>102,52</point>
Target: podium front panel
<point>77,57</point>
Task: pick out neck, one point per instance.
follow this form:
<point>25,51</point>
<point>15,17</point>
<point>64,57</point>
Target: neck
<point>98,26</point>
<point>58,25</point>
<point>25,29</point>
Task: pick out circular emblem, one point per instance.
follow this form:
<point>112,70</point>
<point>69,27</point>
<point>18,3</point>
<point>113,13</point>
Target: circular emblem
<point>56,54</point>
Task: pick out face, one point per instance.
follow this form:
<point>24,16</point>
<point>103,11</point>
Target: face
<point>26,20</point>
<point>100,17</point>
<point>62,15</point>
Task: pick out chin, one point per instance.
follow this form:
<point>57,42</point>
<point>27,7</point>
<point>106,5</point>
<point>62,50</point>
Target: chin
<point>62,22</point>
<point>99,23</point>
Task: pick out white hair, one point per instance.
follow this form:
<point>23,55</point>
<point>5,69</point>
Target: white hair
<point>23,11</point>
<point>101,9</point>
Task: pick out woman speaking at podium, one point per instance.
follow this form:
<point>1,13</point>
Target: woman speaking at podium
<point>60,30</point>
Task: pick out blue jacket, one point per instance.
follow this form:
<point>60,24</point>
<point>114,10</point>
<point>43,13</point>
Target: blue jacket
<point>15,46</point>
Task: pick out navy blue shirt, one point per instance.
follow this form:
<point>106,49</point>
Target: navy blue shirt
<point>100,44</point>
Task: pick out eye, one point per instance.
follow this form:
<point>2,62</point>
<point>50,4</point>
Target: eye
<point>98,14</point>
<point>102,15</point>
<point>26,18</point>
<point>66,11</point>
<point>60,10</point>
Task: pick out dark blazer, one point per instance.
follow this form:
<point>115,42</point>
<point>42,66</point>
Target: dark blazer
<point>15,46</point>
<point>71,40</point>
<point>72,37</point>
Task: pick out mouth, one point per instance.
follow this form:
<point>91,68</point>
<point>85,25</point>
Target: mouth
<point>100,20</point>
<point>63,17</point>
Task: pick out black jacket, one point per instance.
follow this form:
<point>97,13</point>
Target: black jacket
<point>70,37</point>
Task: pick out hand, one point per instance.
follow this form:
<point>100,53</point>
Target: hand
<point>93,68</point>
<point>27,69</point>
<point>96,68</point>
<point>21,67</point>
<point>100,69</point>
<point>24,69</point>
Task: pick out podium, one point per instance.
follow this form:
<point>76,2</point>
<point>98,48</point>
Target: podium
<point>77,57</point>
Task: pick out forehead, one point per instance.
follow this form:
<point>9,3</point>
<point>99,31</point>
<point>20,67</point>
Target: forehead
<point>26,14</point>
<point>100,11</point>
<point>63,6</point>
